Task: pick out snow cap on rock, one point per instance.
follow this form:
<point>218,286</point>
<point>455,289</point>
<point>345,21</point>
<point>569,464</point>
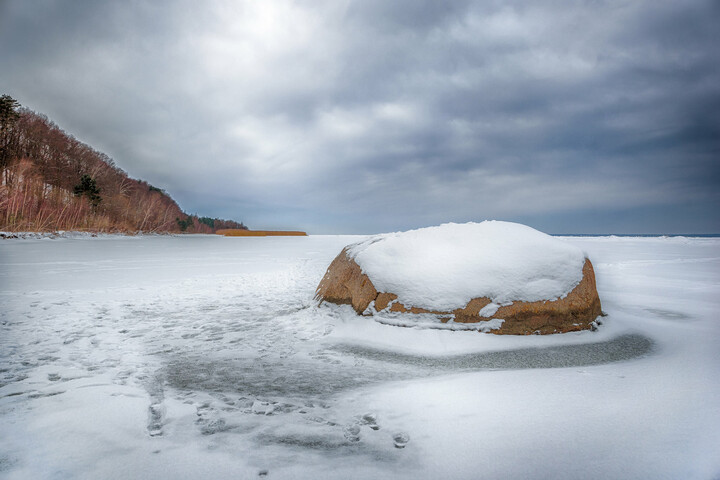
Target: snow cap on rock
<point>444,267</point>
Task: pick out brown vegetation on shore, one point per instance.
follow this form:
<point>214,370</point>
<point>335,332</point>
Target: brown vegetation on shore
<point>51,181</point>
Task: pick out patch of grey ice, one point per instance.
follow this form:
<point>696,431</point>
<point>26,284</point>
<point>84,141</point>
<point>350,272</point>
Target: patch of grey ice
<point>621,348</point>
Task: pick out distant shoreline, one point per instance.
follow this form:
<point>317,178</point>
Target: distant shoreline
<point>234,232</point>
<point>5,235</point>
<point>644,235</point>
<point>80,234</point>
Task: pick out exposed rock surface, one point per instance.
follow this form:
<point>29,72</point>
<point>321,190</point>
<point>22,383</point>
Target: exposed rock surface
<point>345,283</point>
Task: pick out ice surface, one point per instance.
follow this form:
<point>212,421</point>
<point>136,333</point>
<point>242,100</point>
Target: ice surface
<point>206,357</point>
<point>444,267</point>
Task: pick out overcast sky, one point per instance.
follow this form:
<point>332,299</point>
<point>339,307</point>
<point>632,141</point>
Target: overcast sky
<point>370,116</point>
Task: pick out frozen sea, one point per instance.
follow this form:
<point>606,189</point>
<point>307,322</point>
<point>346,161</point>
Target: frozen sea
<point>173,357</point>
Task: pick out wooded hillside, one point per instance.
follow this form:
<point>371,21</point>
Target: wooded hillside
<point>51,181</point>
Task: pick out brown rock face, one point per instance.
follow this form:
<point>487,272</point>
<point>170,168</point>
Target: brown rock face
<point>344,283</point>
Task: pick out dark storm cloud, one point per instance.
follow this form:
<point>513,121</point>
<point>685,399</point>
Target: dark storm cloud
<point>374,115</point>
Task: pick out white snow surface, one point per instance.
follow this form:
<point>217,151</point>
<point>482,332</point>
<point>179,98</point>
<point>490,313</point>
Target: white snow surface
<point>185,357</point>
<point>444,267</point>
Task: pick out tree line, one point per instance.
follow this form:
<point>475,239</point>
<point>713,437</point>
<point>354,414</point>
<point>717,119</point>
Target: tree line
<point>50,181</point>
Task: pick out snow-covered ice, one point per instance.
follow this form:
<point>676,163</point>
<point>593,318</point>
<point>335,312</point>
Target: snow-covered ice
<point>206,357</point>
<point>444,267</point>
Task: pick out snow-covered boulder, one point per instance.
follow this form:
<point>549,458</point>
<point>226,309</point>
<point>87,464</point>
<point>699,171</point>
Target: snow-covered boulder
<point>517,279</point>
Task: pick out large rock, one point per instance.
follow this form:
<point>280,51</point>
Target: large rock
<point>345,283</point>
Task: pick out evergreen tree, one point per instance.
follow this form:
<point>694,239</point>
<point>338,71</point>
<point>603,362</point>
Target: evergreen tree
<point>8,116</point>
<point>89,188</point>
